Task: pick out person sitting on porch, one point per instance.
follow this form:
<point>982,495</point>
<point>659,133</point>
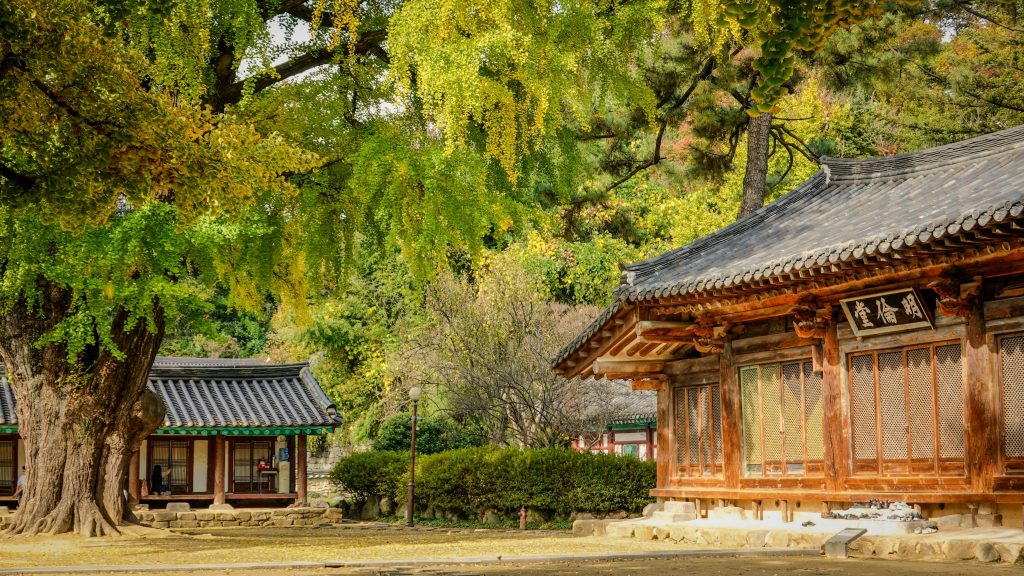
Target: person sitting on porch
<point>156,481</point>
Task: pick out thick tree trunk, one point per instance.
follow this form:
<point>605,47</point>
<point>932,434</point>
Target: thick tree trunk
<point>80,420</point>
<point>755,183</point>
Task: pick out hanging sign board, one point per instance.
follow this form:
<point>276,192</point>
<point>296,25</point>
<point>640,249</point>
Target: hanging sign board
<point>887,312</point>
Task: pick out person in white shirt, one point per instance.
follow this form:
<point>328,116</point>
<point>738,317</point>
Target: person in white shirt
<point>19,490</point>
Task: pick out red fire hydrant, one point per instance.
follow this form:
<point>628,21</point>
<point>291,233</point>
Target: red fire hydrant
<point>522,517</point>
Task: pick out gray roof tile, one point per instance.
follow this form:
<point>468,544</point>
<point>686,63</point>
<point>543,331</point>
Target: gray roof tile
<point>214,392</point>
<point>850,209</point>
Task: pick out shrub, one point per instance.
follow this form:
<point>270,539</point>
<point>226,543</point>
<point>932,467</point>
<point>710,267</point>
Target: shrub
<point>470,481</point>
<point>371,474</point>
<point>435,433</point>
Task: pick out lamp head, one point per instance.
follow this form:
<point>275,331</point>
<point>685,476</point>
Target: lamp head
<point>415,392</point>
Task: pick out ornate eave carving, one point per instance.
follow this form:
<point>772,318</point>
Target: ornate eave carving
<point>955,298</point>
<point>811,320</point>
<point>709,338</point>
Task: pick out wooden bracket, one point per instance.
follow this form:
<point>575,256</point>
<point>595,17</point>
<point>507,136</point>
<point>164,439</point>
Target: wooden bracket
<point>710,339</point>
<point>954,297</point>
<point>810,320</point>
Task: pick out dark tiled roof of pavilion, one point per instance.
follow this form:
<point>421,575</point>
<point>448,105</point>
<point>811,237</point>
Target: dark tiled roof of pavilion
<point>615,402</point>
<point>227,393</point>
<point>851,210</point>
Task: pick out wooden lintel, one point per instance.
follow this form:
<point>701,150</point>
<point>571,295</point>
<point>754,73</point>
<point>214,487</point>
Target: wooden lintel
<point>604,366</point>
<point>647,384</point>
<point>664,331</point>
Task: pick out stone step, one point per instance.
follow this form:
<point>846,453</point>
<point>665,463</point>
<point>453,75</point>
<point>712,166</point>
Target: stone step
<point>677,507</point>
<point>673,517</point>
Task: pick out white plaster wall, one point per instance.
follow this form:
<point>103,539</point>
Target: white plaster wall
<point>200,461</point>
<point>630,436</point>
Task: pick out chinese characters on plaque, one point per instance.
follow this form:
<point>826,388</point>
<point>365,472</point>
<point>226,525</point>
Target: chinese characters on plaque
<point>887,312</point>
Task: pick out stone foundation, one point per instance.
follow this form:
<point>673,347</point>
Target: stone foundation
<point>241,517</point>
<point>728,528</point>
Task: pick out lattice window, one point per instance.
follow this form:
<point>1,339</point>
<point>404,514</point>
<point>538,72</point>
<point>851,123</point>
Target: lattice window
<point>782,416</point>
<point>246,456</point>
<point>698,428</point>
<point>907,411</point>
<point>172,457</point>
<point>1011,377</point>
<point>7,467</point>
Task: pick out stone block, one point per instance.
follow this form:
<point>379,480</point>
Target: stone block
<point>679,507</point>
<point>224,506</point>
<point>864,546</point>
<point>620,530</point>
<point>164,516</point>
<point>643,532</point>
<point>777,539</point>
<point>666,516</point>
<point>332,514</point>
<point>261,515</point>
<point>756,538</point>
<point>650,509</point>
<point>600,528</point>
<point>662,533</point>
<point>989,520</point>
<point>683,534</point>
<point>205,516</point>
<point>929,550</point>
<point>986,552</point>
<point>726,513</point>
<point>243,515</point>
<point>5,510</point>
<point>229,523</point>
<point>187,516</point>
<point>283,522</point>
<point>948,521</point>
<point>732,538</point>
<point>161,525</point>
<point>1010,553</point>
<point>221,516</point>
<point>178,506</point>
<point>958,550</point>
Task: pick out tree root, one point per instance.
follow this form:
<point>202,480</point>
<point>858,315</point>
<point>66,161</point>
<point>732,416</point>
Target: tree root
<point>83,517</point>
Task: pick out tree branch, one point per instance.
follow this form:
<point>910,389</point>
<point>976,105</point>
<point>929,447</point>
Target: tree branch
<point>367,43</point>
<point>23,181</point>
<point>965,6</point>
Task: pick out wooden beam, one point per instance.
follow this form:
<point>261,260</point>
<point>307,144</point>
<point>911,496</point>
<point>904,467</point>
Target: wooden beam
<point>729,388</point>
<point>300,470</point>
<point>648,383</point>
<point>218,469</point>
<point>836,423</point>
<point>133,478</point>
<point>982,402</point>
<point>666,443</point>
<point>664,331</point>
<point>604,365</point>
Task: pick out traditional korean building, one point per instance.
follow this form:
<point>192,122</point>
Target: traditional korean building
<point>860,338</point>
<point>223,417</point>
<point>622,422</point>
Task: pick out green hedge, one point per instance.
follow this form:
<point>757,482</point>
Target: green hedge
<point>467,482</point>
<point>371,474</point>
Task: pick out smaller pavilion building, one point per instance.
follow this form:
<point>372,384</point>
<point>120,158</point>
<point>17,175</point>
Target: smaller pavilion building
<point>224,418</point>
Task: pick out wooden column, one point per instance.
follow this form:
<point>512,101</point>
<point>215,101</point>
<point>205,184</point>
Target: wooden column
<point>218,469</point>
<point>732,453</point>
<point>133,478</point>
<point>835,433</point>
<point>665,431</point>
<point>300,469</point>
<point>982,401</point>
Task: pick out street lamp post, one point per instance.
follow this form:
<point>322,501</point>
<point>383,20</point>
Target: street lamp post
<point>414,395</point>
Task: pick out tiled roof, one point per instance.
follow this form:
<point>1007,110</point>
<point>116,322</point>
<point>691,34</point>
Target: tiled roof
<point>227,393</point>
<point>848,212</point>
<point>614,401</point>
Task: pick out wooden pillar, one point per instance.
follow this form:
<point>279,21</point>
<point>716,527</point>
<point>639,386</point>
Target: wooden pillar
<point>982,401</point>
<point>732,453</point>
<point>218,469</point>
<point>300,469</point>
<point>133,478</point>
<point>835,433</point>
<point>666,447</point>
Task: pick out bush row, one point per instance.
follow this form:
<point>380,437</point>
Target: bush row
<point>468,482</point>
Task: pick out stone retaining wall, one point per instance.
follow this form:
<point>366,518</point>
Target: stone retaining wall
<point>984,544</point>
<point>240,517</point>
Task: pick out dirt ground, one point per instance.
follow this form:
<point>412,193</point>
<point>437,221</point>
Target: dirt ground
<point>232,545</point>
<point>661,567</point>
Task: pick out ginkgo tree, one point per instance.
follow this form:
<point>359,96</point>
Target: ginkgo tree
<point>155,151</point>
